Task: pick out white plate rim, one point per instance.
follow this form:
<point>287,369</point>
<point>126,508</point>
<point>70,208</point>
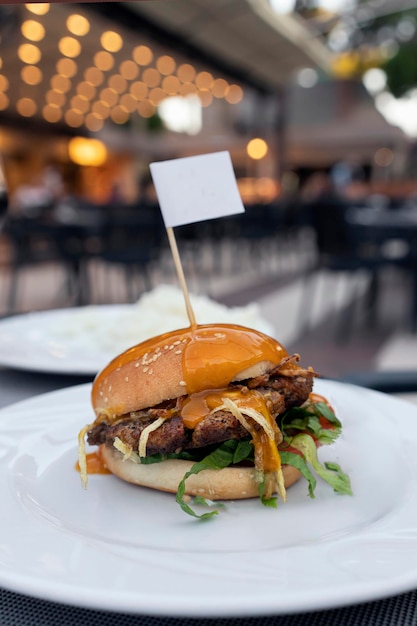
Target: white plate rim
<point>297,601</point>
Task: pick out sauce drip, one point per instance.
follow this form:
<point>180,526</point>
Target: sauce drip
<point>198,405</point>
<point>95,464</point>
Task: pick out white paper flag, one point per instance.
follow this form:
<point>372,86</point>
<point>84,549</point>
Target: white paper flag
<point>196,188</point>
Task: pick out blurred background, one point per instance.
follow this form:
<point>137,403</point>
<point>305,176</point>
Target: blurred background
<point>316,101</point>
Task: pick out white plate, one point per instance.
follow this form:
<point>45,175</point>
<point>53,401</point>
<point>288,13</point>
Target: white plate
<point>119,547</point>
<point>58,340</point>
<point>82,340</point>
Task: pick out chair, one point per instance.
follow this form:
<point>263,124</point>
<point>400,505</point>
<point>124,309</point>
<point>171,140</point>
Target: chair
<point>131,240</point>
<point>348,248</point>
<point>31,244</point>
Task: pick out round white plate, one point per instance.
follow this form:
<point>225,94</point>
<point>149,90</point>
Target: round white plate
<point>119,547</point>
<point>61,340</point>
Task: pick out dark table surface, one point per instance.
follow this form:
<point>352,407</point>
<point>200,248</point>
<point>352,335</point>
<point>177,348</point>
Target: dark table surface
<point>21,610</point>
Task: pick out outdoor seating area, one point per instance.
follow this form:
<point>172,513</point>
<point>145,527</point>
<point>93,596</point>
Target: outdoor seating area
<point>208,313</point>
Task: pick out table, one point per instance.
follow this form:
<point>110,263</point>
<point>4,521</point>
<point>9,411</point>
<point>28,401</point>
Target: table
<point>20,610</point>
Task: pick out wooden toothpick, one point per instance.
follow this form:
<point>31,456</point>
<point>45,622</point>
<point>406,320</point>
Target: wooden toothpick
<point>180,273</point>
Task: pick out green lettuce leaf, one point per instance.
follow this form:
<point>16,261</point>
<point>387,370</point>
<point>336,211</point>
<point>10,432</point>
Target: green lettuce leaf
<point>297,461</point>
<point>330,472</point>
<point>307,419</point>
<point>223,456</point>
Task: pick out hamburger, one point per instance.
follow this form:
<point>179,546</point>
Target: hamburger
<point>211,412</point>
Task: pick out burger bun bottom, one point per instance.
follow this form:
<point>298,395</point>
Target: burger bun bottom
<point>230,483</point>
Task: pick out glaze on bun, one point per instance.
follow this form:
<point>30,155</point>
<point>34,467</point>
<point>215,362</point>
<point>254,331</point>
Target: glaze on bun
<point>182,362</point>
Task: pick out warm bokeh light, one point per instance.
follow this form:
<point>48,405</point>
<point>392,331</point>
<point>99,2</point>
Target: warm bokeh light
<point>101,109</point>
<point>88,152</point>
<point>117,83</point>
<point>66,67</point>
<point>103,60</point>
<point>38,8</point>
<point>234,94</point>
<point>151,77</point>
<point>128,102</point>
<point>187,89</point>
<point>87,90</point>
<point>79,104</point>
<point>165,65</point>
<point>56,98</point>
<point>119,115</point>
<point>171,85</point>
<point>93,122</point>
<point>4,101</point>
<point>60,83</point>
<point>139,90</point>
<point>31,75</point>
<point>204,80</point>
<point>78,25</point>
<point>69,47</point>
<point>29,53</point>
<point>109,96</point>
<point>129,70</point>
<point>156,95</point>
<point>51,113</point>
<point>142,55</point>
<point>73,118</point>
<point>111,41</point>
<point>33,30</point>
<point>146,108</point>
<point>257,148</point>
<point>4,83</point>
<point>94,76</point>
<point>206,97</point>
<point>26,107</point>
<point>186,73</point>
<point>219,88</point>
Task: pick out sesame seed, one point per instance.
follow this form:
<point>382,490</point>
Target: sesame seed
<point>127,379</point>
<point>166,347</point>
<point>110,388</point>
<point>240,474</point>
<point>183,383</point>
<point>150,371</point>
<point>101,394</point>
<point>106,399</point>
<point>171,346</point>
<point>145,369</point>
<point>177,351</point>
<point>158,350</point>
<point>201,490</point>
<point>176,343</point>
<point>137,364</point>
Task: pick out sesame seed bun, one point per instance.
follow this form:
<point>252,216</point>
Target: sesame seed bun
<point>230,483</point>
<point>183,362</point>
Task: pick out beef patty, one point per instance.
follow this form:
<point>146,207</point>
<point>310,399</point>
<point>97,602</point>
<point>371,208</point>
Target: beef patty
<point>280,392</point>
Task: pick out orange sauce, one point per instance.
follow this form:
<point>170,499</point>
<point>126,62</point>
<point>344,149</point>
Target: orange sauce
<point>215,354</point>
<point>198,405</point>
<point>95,464</point>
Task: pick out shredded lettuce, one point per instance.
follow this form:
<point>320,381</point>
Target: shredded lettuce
<point>330,472</point>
